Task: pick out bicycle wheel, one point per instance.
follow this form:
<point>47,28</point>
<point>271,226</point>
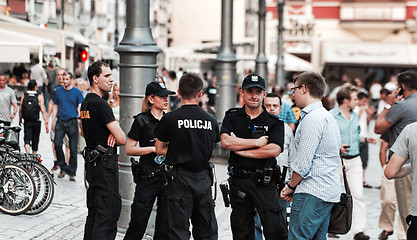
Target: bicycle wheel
<point>44,186</point>
<point>17,189</point>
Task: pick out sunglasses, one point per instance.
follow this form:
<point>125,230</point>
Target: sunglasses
<point>293,88</point>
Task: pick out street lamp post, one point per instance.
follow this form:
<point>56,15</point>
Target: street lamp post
<point>138,52</point>
<point>261,67</point>
<point>225,64</point>
<point>280,72</point>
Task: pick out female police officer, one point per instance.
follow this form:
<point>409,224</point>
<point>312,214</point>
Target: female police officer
<point>149,182</point>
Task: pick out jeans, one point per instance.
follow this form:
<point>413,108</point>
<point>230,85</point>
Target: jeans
<point>309,218</point>
<point>70,128</point>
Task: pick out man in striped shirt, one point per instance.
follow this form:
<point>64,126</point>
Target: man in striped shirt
<point>315,183</point>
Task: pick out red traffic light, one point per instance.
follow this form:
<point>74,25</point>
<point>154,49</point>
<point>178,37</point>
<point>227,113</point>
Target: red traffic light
<point>84,55</point>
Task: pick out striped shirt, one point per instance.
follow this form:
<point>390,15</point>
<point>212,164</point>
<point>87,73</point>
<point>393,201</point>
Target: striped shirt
<point>317,144</point>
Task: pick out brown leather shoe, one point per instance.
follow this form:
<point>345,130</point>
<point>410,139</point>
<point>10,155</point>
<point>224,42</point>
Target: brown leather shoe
<point>61,174</point>
<point>361,236</point>
<point>384,235</point>
<point>72,178</point>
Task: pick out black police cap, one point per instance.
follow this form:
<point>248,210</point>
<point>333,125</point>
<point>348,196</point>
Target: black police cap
<point>158,89</point>
<point>253,80</point>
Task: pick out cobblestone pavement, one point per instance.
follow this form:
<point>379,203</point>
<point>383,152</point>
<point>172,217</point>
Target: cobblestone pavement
<point>65,218</point>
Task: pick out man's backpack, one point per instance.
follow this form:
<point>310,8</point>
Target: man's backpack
<point>30,107</point>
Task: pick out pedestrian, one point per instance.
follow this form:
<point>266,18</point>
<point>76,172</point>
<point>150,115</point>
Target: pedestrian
<point>350,129</point>
<point>59,81</point>
<point>102,135</point>
<point>31,104</point>
<point>315,183</point>
<point>37,72</point>
<point>388,198</point>
<point>364,112</point>
<point>149,180</point>
<point>187,137</point>
<point>395,116</point>
<point>405,152</point>
<point>272,103</point>
<point>7,100</point>
<point>67,102</point>
<point>255,138</point>
<point>172,84</point>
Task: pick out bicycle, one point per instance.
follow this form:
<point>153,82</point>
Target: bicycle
<point>32,163</point>
<point>17,188</point>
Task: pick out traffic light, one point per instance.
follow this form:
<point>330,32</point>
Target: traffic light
<point>84,55</point>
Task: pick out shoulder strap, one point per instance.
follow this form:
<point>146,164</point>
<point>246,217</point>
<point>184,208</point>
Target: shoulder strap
<point>344,177</point>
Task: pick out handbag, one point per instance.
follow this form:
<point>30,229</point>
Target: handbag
<point>341,214</point>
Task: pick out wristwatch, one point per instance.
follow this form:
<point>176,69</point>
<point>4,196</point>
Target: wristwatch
<point>388,107</point>
<point>292,188</point>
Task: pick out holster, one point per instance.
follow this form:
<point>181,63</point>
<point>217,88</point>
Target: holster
<point>90,155</point>
<point>137,170</point>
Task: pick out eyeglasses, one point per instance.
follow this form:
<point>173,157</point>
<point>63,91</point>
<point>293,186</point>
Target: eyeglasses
<point>293,88</point>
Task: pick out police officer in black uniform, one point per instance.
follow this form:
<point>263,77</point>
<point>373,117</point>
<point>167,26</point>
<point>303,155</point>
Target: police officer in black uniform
<point>254,138</point>
<point>147,173</point>
<point>102,133</point>
<point>187,137</point>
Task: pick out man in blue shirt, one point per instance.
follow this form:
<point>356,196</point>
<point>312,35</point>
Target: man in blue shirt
<point>348,122</point>
<point>315,183</point>
<point>67,102</point>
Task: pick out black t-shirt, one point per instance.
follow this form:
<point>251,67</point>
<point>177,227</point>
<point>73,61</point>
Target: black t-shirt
<point>142,131</point>
<point>237,121</point>
<point>95,114</point>
<point>191,133</point>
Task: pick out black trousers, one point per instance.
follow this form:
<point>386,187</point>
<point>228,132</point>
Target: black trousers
<point>412,229</point>
<point>245,196</point>
<point>146,192</point>
<point>189,196</point>
<point>32,130</point>
<point>103,199</point>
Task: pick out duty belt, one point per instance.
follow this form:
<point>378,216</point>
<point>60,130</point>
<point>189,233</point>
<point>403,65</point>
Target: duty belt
<point>152,173</point>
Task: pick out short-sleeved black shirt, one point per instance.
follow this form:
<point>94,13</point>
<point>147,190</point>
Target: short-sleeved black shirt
<point>191,133</point>
<point>237,121</point>
<point>142,131</point>
<point>95,114</point>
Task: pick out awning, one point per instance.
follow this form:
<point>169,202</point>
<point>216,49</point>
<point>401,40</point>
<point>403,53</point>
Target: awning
<point>16,47</point>
<point>16,25</point>
<point>375,54</point>
<point>180,55</point>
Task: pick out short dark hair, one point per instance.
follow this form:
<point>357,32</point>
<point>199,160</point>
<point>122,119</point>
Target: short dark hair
<point>32,84</point>
<point>362,95</point>
<point>314,82</point>
<point>189,86</point>
<point>274,95</point>
<point>95,70</point>
<point>408,78</point>
<point>69,73</point>
<point>384,91</point>
<point>344,93</point>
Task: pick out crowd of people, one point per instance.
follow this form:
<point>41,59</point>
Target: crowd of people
<point>285,146</point>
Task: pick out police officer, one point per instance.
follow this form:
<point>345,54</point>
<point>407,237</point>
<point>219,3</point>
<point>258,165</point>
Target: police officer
<point>102,134</point>
<point>254,138</point>
<point>187,137</point>
<point>147,173</point>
